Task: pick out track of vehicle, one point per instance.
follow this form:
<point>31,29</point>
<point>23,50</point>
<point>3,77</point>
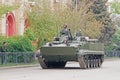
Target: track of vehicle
<point>85,62</point>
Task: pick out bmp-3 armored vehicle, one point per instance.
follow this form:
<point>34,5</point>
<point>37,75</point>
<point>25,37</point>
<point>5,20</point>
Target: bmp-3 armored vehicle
<point>88,52</point>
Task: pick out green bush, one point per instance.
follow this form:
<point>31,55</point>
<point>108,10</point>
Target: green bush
<point>20,49</point>
<point>28,33</point>
<point>17,44</point>
<point>109,47</point>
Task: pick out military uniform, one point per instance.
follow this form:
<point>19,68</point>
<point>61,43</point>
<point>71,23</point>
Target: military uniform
<point>64,32</point>
<point>3,54</point>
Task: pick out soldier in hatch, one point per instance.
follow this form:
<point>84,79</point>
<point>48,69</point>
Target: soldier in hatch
<point>64,31</point>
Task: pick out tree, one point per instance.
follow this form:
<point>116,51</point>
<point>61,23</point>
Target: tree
<point>42,23</point>
<point>100,10</point>
<point>115,7</point>
<point>115,42</point>
<point>47,23</point>
<point>5,9</point>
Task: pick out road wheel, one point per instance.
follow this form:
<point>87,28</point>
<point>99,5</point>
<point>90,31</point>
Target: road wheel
<point>42,63</point>
<point>99,62</point>
<point>88,63</point>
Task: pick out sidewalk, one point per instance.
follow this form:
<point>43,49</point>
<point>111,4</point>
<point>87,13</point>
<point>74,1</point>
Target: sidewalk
<point>20,66</point>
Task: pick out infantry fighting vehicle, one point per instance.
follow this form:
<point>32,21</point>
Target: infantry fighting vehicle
<point>88,52</point>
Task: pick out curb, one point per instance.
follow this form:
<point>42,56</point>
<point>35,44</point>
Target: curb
<point>19,66</point>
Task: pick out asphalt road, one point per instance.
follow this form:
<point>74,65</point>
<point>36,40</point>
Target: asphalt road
<point>110,70</point>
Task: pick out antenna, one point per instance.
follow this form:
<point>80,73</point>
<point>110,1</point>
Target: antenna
<point>76,4</point>
<point>57,29</point>
<point>70,35</point>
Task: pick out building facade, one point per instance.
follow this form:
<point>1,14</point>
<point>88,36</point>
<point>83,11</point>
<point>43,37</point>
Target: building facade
<point>13,23</point>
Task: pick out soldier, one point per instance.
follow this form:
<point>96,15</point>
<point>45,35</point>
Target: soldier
<point>3,52</point>
<point>78,33</point>
<point>64,30</point>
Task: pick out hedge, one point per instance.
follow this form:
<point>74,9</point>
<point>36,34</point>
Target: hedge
<point>17,44</point>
